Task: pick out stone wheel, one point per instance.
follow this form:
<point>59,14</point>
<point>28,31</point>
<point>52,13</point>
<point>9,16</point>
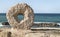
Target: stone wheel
<point>20,9</point>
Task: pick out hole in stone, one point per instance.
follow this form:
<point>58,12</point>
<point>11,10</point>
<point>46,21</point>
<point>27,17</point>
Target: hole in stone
<point>20,17</point>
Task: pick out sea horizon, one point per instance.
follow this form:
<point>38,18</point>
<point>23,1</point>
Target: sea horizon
<point>39,17</point>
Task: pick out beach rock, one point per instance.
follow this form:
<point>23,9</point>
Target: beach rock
<point>45,25</point>
<point>20,9</point>
<point>5,34</point>
<point>5,23</point>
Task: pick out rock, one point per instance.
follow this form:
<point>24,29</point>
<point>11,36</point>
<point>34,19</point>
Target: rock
<point>20,9</point>
<point>19,33</point>
<point>5,34</point>
<point>1,30</point>
<point>5,23</point>
<point>45,25</point>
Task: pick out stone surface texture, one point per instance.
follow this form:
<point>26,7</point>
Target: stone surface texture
<point>29,33</point>
<point>20,9</point>
<point>5,34</point>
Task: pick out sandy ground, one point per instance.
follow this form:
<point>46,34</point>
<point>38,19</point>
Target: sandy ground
<point>29,33</point>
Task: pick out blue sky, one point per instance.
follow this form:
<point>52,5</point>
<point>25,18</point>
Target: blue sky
<point>39,6</point>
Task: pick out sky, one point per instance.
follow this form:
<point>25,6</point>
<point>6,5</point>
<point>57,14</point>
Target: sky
<point>39,6</point>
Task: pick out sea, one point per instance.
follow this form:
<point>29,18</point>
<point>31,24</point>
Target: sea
<point>38,17</point>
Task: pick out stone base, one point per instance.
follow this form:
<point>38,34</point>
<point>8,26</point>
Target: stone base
<point>29,33</point>
<point>42,34</point>
<point>5,34</point>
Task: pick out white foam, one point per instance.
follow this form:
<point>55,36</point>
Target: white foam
<point>1,24</point>
<point>58,23</point>
<point>48,22</point>
<point>43,22</point>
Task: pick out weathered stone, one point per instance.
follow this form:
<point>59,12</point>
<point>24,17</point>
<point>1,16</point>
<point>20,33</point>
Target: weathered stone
<point>5,23</point>
<point>46,25</point>
<point>19,33</point>
<point>5,34</point>
<point>18,9</point>
<point>39,33</point>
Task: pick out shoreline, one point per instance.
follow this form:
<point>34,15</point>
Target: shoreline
<point>38,25</point>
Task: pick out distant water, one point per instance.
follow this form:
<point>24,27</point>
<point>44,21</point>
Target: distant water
<point>37,17</point>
